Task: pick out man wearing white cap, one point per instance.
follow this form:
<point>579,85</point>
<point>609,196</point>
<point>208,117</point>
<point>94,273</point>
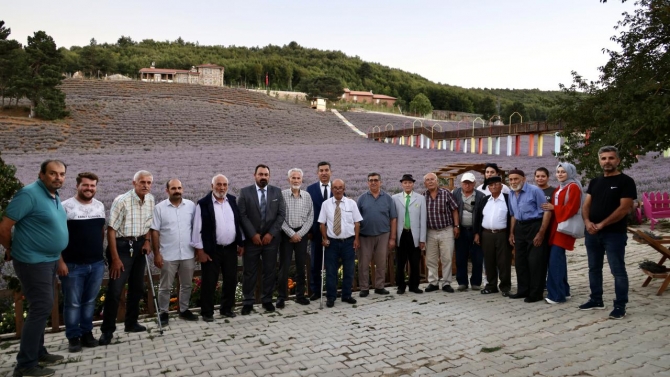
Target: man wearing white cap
<point>468,199</point>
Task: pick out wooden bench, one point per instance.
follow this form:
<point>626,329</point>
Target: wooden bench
<point>658,245</point>
<point>656,206</point>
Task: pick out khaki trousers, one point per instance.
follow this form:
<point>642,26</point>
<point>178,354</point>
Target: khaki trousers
<point>439,247</point>
<point>373,249</point>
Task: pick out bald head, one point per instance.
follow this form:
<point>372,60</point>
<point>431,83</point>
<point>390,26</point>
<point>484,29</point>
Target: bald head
<point>338,189</point>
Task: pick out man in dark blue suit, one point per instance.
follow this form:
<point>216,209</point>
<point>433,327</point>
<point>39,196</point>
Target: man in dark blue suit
<point>319,191</point>
<point>217,239</point>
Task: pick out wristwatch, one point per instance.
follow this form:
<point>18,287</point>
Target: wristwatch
<point>457,226</point>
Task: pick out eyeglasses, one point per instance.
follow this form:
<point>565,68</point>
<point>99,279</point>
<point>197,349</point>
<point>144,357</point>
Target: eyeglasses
<point>373,180</point>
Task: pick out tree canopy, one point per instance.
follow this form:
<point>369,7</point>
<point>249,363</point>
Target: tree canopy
<point>420,105</point>
<point>629,105</point>
<point>324,86</point>
<point>9,184</point>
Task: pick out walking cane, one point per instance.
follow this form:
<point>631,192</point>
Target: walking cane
<point>151,281</point>
<point>323,274</point>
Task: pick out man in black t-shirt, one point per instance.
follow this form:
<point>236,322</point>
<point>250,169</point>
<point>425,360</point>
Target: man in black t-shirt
<point>609,199</point>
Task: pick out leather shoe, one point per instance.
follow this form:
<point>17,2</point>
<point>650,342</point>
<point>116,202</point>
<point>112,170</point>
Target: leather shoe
<point>246,309</point>
<point>447,288</point>
<point>349,300</point>
<point>135,328</point>
<point>431,288</point>
<point>364,293</point>
<point>505,294</point>
<point>400,291</point>
<point>517,295</point>
<point>280,303</point>
<point>268,307</point>
<point>229,314</point>
<point>330,303</point>
<point>381,291</point>
<point>315,296</point>
<point>208,318</point>
<point>416,290</point>
<point>302,300</point>
<point>105,338</point>
<point>532,299</point>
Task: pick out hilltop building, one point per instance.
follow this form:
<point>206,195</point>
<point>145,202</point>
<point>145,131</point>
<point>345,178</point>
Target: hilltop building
<point>204,74</point>
<point>367,97</point>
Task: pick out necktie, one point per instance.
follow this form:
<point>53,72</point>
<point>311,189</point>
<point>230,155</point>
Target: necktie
<point>325,192</point>
<point>264,204</point>
<point>407,226</point>
<point>337,222</point>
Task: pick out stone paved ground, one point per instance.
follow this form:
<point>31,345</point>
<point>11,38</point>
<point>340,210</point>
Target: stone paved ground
<point>434,334</point>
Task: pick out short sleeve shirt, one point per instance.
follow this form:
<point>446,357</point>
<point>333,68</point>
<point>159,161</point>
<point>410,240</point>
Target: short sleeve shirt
<point>606,194</point>
<point>85,222</point>
<point>377,213</point>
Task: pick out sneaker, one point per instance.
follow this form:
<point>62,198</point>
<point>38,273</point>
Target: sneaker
<point>462,288</point>
<point>164,319</point>
<point>50,359</point>
<point>568,297</point>
<point>74,345</point>
<point>447,288</point>
<point>187,315</point>
<point>431,288</point>
<point>476,287</point>
<point>550,301</point>
<point>590,305</point>
<point>34,371</point>
<point>88,341</point>
<point>618,313</point>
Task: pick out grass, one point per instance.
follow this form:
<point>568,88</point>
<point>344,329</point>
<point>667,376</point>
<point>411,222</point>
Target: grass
<point>490,349</point>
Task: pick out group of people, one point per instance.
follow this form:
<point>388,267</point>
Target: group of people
<point>265,225</point>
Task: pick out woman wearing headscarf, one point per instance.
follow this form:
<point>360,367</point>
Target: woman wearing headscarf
<point>558,289</point>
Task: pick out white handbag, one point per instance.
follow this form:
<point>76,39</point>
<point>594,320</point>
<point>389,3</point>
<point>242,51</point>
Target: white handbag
<point>574,226</point>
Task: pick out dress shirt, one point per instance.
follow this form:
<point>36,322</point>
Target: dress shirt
<point>527,205</point>
<point>225,224</point>
<point>495,213</point>
<point>129,216</point>
<point>258,192</point>
<point>299,213</point>
<point>485,190</point>
<point>439,209</point>
<point>174,225</point>
<point>327,189</point>
<point>349,216</point>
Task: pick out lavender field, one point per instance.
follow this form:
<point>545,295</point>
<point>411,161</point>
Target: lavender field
<point>195,132</point>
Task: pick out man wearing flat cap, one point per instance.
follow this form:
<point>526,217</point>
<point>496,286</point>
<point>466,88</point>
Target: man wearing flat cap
<point>411,233</point>
<point>529,224</point>
<point>467,199</point>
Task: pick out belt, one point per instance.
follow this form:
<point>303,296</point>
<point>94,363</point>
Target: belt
<point>468,228</point>
<point>524,222</point>
<point>342,239</point>
<point>494,230</point>
<point>134,239</point>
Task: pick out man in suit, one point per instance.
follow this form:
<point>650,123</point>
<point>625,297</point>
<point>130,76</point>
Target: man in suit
<point>217,239</point>
<point>467,199</point>
<point>411,233</point>
<point>262,211</point>
<point>319,192</point>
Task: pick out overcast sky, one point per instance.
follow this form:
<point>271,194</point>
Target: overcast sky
<point>469,43</point>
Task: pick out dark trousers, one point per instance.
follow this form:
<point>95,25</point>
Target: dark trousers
<point>133,273</point>
<point>224,261</point>
<point>466,248</point>
<point>252,259</point>
<point>614,246</point>
<point>497,260</point>
<point>286,251</point>
<point>316,260</point>
<point>407,252</point>
<point>340,252</point>
<point>530,261</point>
<point>37,285</point>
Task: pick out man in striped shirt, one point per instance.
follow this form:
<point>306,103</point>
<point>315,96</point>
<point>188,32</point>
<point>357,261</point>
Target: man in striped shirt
<point>297,223</point>
<point>128,239</point>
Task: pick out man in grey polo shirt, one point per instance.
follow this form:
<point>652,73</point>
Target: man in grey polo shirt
<point>170,237</point>
<point>378,234</point>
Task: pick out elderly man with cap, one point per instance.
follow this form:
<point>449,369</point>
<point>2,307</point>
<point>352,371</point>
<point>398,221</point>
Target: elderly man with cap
<point>529,224</point>
<point>492,230</point>
<point>468,199</point>
<point>411,234</point>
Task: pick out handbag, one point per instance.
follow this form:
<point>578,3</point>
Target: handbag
<point>574,226</point>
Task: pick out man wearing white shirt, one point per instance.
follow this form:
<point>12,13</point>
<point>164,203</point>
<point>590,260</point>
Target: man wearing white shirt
<point>171,230</point>
<point>340,226</point>
<point>218,240</point>
<point>493,234</point>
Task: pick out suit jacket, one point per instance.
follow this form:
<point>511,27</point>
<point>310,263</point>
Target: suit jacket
<point>417,216</point>
<point>250,212</point>
<point>479,198</point>
<point>480,215</point>
<point>315,190</point>
<point>208,230</point>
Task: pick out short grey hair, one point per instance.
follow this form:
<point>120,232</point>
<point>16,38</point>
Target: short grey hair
<point>609,148</point>
<point>426,176</point>
<point>295,170</point>
<point>219,175</point>
<point>140,174</point>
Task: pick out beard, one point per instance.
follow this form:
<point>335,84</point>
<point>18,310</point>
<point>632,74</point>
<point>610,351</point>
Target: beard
<point>262,183</point>
<point>218,195</point>
<point>295,187</point>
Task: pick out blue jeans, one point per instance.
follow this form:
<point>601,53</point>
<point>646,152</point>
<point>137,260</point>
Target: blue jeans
<point>467,248</point>
<point>557,279</point>
<point>614,245</point>
<point>37,284</point>
<point>80,289</point>
<point>336,251</point>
